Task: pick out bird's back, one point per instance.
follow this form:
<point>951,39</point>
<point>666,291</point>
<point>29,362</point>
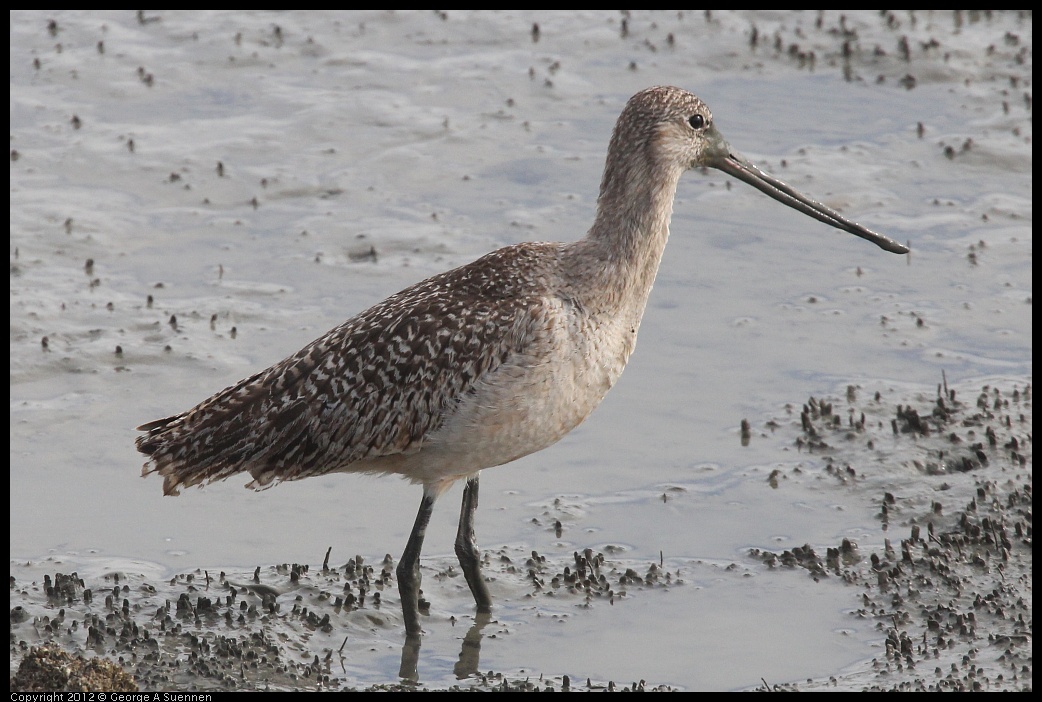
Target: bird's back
<point>393,388</point>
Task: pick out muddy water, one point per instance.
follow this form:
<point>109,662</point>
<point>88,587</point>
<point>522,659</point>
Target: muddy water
<point>242,169</point>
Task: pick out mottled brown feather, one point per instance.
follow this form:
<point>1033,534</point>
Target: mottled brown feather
<point>376,385</point>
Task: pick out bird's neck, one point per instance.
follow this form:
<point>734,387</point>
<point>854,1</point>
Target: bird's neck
<point>625,244</point>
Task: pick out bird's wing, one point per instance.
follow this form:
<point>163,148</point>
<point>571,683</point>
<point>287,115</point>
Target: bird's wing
<point>374,386</point>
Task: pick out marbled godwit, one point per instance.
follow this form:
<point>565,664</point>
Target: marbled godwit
<point>480,365</point>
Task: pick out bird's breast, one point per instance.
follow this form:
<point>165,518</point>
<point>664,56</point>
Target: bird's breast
<point>564,370</point>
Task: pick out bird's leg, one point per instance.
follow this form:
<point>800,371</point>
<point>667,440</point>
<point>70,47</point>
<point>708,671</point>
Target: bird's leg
<point>408,570</point>
<point>467,547</point>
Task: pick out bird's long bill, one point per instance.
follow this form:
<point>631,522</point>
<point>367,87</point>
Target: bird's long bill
<point>720,156</point>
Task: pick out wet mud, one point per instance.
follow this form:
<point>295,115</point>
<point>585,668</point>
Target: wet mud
<point>949,590</point>
<point>945,579</point>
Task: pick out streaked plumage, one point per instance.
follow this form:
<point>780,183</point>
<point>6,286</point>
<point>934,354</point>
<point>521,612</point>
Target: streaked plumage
<point>477,366</point>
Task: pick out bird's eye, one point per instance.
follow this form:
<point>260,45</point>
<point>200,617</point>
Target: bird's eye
<point>697,121</point>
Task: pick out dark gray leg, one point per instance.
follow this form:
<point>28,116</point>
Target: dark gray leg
<point>410,659</point>
<point>467,547</point>
<point>409,567</point>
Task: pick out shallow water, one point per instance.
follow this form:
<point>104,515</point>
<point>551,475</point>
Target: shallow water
<point>433,140</point>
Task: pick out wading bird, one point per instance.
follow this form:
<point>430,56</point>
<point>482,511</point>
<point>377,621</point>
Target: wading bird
<point>477,366</point>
